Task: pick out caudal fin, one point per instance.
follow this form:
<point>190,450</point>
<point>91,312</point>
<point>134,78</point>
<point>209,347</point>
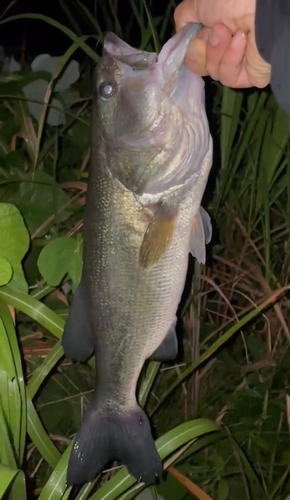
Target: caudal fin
<point>107,436</point>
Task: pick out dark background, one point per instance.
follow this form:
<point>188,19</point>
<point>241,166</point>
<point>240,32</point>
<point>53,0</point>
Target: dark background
<point>37,37</point>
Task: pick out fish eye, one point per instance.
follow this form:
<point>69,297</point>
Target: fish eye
<point>107,90</point>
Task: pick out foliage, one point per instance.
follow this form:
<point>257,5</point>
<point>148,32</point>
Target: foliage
<point>222,415</point>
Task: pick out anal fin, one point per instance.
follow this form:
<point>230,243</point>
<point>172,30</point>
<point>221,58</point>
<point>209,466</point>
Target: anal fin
<point>76,339</point>
<point>201,234</point>
<point>168,349</point>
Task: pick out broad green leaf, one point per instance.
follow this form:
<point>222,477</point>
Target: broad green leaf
<point>14,243</point>
<point>5,271</point>
<point>36,91</point>
<point>72,73</point>
<point>60,257</point>
<point>223,490</point>
<point>45,62</point>
<point>42,202</point>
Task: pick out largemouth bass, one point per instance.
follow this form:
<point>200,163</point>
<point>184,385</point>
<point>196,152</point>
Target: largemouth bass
<point>150,160</point>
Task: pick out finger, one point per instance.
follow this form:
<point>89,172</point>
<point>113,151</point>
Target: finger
<point>185,13</point>
<point>219,41</point>
<point>232,71</point>
<point>196,54</point>
<point>258,69</point>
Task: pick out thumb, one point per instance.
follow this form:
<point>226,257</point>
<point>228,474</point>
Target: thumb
<point>186,12</point>
<point>195,58</point>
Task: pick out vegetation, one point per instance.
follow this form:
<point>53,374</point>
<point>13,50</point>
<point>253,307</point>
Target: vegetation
<point>222,413</point>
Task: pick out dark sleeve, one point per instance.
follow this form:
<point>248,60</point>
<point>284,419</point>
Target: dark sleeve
<point>273,42</point>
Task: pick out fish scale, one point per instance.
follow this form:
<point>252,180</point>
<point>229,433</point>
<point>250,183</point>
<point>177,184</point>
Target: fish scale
<point>142,219</point>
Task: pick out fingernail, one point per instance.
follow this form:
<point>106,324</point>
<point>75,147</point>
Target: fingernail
<point>238,38</point>
<point>214,38</point>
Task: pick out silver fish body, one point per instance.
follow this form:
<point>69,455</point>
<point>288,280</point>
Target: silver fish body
<point>150,160</point>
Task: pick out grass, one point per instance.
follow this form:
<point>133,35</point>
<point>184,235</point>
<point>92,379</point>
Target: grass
<point>221,414</point>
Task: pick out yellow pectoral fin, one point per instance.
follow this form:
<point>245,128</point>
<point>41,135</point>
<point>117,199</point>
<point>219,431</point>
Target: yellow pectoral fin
<point>158,236</point>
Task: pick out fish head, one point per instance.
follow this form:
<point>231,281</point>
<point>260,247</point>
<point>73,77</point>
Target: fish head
<point>127,98</point>
<point>150,113</point>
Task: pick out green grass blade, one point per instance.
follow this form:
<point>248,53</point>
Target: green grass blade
<point>8,476</point>
<point>57,25</point>
<point>278,134</point>
<point>167,19</point>
<point>249,469</point>
<point>220,342</point>
<point>56,485</point>
<point>230,117</point>
<point>10,393</point>
<point>7,454</point>
<point>40,437</point>
<point>147,382</point>
<point>227,177</point>
<point>16,384</point>
<point>132,492</point>
<point>34,309</point>
<point>22,118</point>
<point>70,17</point>
<point>137,15</point>
<point>117,28</point>
<point>39,293</point>
<point>152,28</point>
<point>88,15</point>
<point>42,371</point>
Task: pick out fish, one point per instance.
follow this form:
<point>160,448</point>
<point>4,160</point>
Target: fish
<point>151,154</point>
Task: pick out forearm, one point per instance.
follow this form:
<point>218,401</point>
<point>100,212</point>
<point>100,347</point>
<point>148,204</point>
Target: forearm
<point>273,42</point>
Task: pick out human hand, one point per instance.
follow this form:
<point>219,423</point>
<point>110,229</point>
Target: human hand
<point>226,47</point>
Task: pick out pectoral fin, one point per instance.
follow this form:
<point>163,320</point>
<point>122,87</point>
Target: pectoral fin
<point>158,236</point>
<point>76,339</point>
<point>168,349</point>
<point>201,234</point>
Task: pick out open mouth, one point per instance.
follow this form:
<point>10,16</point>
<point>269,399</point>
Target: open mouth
<point>170,58</point>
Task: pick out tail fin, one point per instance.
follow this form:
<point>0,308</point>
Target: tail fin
<point>107,436</point>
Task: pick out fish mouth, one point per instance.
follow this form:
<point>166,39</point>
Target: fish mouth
<point>169,60</point>
<point>125,54</point>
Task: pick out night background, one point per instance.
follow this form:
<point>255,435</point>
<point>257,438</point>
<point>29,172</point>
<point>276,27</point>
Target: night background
<point>221,411</point>
<point>36,37</point>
